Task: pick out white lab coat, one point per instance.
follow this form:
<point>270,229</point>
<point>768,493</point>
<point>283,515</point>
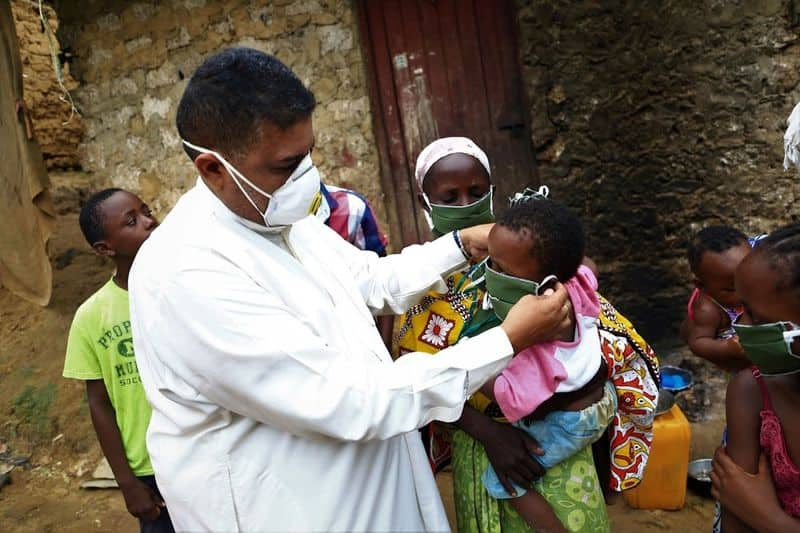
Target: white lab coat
<point>276,406</point>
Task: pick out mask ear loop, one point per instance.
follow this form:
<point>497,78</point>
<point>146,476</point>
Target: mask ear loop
<point>487,302</point>
<point>549,280</point>
<point>788,338</point>
<point>478,267</point>
<point>235,175</point>
<point>426,201</point>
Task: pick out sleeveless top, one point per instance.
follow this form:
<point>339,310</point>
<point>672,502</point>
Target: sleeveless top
<point>785,472</point>
<point>731,312</point>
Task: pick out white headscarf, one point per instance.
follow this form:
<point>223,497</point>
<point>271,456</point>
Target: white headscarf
<point>791,140</point>
<point>444,147</point>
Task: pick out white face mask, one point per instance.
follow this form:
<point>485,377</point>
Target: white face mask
<point>290,202</point>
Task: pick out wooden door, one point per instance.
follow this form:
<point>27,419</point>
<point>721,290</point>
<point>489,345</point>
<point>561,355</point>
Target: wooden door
<point>443,68</point>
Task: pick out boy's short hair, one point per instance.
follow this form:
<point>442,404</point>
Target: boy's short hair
<point>91,217</point>
<point>232,93</point>
<point>556,233</point>
<point>715,239</point>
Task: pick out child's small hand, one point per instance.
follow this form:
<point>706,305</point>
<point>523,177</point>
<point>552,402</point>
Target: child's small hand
<point>141,500</point>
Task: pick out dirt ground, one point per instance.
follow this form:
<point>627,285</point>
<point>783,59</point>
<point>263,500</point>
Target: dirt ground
<point>45,417</point>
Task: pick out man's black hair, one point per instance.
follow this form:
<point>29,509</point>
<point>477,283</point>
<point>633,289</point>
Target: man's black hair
<point>715,239</point>
<point>233,93</point>
<point>782,250</point>
<point>91,217</point>
<point>556,233</point>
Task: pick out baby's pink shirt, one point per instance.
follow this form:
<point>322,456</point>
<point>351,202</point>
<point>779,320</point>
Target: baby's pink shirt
<point>541,370</point>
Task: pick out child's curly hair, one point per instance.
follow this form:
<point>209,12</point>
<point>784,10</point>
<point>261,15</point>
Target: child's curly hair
<point>555,231</point>
<point>712,239</point>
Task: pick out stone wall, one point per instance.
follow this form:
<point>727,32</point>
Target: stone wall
<point>133,61</point>
<point>58,130</point>
<point>656,118</point>
<point>653,119</point>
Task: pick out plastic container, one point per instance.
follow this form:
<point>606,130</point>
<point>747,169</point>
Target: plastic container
<point>675,379</point>
<point>664,483</point>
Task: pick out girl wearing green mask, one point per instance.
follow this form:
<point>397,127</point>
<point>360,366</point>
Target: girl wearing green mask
<point>453,176</point>
<point>757,477</point>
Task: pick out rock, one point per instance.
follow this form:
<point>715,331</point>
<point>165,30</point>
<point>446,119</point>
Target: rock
<point>79,468</point>
<point>166,74</point>
<point>302,6</point>
<point>135,44</point>
<point>100,484</point>
<point>103,470</point>
<point>155,106</point>
<point>335,38</point>
<point>180,38</point>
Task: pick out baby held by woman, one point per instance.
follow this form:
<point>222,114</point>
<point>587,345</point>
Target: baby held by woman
<point>535,243</point>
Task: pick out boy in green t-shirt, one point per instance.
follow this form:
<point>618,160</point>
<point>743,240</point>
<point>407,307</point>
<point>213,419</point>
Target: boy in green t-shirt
<point>100,352</point>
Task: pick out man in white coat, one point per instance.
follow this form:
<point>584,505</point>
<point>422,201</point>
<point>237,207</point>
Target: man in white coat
<point>275,403</point>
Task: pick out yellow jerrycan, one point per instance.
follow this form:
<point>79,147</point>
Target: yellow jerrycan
<point>664,482</point>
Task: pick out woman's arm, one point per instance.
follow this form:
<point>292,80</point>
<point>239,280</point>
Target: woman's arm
<point>510,450</point>
<point>753,496</point>
<point>742,407</point>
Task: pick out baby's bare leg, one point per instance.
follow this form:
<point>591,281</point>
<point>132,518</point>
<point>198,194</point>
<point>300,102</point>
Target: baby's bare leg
<point>535,510</point>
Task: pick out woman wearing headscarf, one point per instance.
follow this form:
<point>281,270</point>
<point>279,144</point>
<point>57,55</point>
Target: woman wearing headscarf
<point>454,179</point>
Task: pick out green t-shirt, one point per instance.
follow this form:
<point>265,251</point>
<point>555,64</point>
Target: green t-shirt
<point>100,346</point>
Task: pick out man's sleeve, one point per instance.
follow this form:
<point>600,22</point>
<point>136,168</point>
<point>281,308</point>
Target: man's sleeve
<point>392,284</point>
<point>81,359</point>
<point>244,350</point>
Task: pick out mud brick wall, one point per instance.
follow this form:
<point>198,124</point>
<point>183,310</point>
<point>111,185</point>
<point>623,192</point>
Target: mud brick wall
<point>133,60</point>
<point>654,119</point>
<point>58,131</point>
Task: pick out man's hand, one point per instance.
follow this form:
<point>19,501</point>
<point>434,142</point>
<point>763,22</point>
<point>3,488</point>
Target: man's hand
<point>141,500</point>
<point>509,449</point>
<point>751,497</point>
<point>476,241</point>
<point>535,319</point>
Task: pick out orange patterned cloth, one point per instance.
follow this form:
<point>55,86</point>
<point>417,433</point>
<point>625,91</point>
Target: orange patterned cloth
<point>633,368</point>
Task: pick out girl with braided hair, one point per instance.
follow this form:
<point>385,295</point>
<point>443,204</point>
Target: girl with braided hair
<point>757,477</point>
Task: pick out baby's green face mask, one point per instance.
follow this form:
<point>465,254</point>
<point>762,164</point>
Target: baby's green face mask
<point>504,290</point>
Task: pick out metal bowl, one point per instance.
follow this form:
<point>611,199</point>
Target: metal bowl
<point>665,401</point>
<point>675,379</point>
<point>698,476</point>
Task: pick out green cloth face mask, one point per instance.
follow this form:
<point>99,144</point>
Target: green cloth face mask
<point>769,346</point>
<point>504,291</point>
<point>447,218</point>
